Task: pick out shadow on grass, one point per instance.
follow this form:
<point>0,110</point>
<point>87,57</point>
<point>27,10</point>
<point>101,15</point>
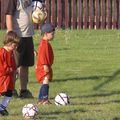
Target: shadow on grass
<point>50,115</point>
<point>98,95</point>
<point>79,78</point>
<point>110,78</point>
<point>116,118</point>
<point>76,78</point>
<point>100,103</point>
<point>65,112</point>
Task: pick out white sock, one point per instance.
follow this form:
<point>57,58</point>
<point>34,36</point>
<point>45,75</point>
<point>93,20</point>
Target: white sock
<point>5,101</point>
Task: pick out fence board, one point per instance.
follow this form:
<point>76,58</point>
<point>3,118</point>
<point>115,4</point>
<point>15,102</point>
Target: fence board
<point>114,14</point>
<point>53,12</point>
<point>67,13</point>
<point>91,13</point>
<point>3,14</point>
<point>103,14</point>
<point>86,17</point>
<point>48,4</point>
<point>74,14</point>
<point>109,14</point>
<point>97,14</point>
<point>118,16</point>
<point>80,14</point>
<point>59,13</point>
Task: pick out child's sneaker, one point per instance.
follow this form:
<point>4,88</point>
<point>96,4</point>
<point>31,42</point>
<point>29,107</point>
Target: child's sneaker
<point>4,112</point>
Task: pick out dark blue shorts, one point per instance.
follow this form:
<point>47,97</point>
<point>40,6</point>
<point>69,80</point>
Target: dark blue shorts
<point>26,52</point>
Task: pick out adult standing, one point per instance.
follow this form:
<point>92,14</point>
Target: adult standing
<point>18,19</point>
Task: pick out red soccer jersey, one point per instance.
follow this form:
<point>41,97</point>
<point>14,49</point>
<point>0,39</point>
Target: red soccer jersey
<point>7,69</point>
<point>45,57</point>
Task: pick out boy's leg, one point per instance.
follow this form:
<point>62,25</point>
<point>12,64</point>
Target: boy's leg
<point>5,101</point>
<point>44,92</point>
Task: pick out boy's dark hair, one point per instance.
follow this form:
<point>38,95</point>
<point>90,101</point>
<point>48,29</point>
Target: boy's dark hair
<point>11,37</point>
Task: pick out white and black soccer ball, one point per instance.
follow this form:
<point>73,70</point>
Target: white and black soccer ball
<point>36,5</point>
<point>39,13</point>
<point>62,99</point>
<point>29,111</point>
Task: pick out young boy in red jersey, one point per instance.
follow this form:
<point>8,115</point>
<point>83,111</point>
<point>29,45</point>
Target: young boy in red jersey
<point>7,70</point>
<point>44,62</point>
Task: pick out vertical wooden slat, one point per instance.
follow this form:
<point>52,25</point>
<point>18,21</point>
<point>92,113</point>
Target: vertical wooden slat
<point>63,14</point>
<point>74,14</point>
<point>80,14</point>
<point>114,14</point>
<point>103,14</point>
<point>67,13</point>
<point>48,6</point>
<point>109,14</point>
<point>91,14</point>
<point>53,12</point>
<point>86,13</point>
<point>59,12</point>
<point>118,15</point>
<point>3,21</point>
<point>97,14</point>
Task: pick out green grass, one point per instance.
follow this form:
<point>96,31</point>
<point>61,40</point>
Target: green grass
<point>87,68</point>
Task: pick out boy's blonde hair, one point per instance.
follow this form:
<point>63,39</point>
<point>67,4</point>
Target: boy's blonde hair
<point>11,37</point>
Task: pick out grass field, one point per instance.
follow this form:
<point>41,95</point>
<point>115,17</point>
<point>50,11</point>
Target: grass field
<point>87,68</point>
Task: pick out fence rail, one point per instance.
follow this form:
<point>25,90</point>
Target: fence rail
<point>78,14</point>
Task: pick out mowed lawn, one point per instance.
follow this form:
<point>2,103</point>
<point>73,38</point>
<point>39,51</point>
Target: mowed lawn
<point>87,68</point>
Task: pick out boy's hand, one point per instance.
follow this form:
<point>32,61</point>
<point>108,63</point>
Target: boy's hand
<point>46,68</point>
<point>35,53</point>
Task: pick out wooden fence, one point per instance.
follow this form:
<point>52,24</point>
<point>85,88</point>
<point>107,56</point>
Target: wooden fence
<point>79,14</point>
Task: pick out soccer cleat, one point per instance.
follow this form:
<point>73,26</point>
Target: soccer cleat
<point>4,112</point>
<point>25,94</point>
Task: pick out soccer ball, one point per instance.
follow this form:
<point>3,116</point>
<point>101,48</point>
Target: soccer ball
<point>62,99</point>
<point>38,16</point>
<point>37,5</point>
<point>39,12</point>
<point>29,111</point>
